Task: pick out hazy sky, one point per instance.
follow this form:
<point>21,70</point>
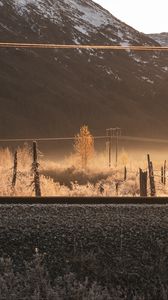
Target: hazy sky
<point>148,16</point>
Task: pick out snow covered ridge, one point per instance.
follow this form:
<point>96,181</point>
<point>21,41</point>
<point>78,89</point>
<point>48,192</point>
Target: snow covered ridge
<point>85,17</point>
<point>88,12</point>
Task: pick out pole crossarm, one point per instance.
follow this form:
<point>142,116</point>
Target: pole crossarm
<point>98,47</point>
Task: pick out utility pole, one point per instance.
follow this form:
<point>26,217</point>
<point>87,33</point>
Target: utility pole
<point>117,133</point>
<point>109,145</point>
<point>113,133</point>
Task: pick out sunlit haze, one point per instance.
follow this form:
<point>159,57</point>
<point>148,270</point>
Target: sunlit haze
<point>146,16</point>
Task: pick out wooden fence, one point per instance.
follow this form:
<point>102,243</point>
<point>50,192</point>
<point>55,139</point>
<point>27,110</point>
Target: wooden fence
<point>147,186</point>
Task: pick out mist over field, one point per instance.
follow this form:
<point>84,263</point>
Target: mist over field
<point>64,175</point>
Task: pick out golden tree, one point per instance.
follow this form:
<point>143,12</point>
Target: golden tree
<point>84,145</point>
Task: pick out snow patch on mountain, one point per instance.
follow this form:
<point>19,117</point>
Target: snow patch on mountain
<point>165,68</point>
<point>5,27</point>
<point>91,14</point>
<point>81,29</point>
<point>48,10</point>
<point>136,58</point>
<point>147,80</point>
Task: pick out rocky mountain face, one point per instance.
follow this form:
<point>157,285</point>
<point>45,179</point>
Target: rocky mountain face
<point>161,38</point>
<point>53,92</point>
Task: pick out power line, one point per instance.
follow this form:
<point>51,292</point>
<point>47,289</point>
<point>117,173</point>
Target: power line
<point>144,139</point>
<point>127,138</point>
<point>45,139</point>
<point>98,47</point>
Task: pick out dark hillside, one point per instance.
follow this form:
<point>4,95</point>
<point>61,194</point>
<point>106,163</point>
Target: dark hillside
<point>52,92</point>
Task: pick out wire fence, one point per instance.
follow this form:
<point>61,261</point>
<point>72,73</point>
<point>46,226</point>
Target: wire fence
<point>116,180</point>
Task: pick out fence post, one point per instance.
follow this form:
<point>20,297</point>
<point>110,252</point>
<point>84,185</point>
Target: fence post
<point>117,188</point>
<point>151,177</point>
<point>35,166</point>
<point>164,173</point>
<point>125,173</point>
<point>14,177</point>
<point>143,183</point>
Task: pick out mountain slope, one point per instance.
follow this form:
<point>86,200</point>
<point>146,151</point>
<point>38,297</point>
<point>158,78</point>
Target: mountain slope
<point>161,38</point>
<point>53,92</point>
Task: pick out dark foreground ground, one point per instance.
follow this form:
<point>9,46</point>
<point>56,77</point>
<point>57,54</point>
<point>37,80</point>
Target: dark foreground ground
<point>101,200</point>
<point>84,252</point>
